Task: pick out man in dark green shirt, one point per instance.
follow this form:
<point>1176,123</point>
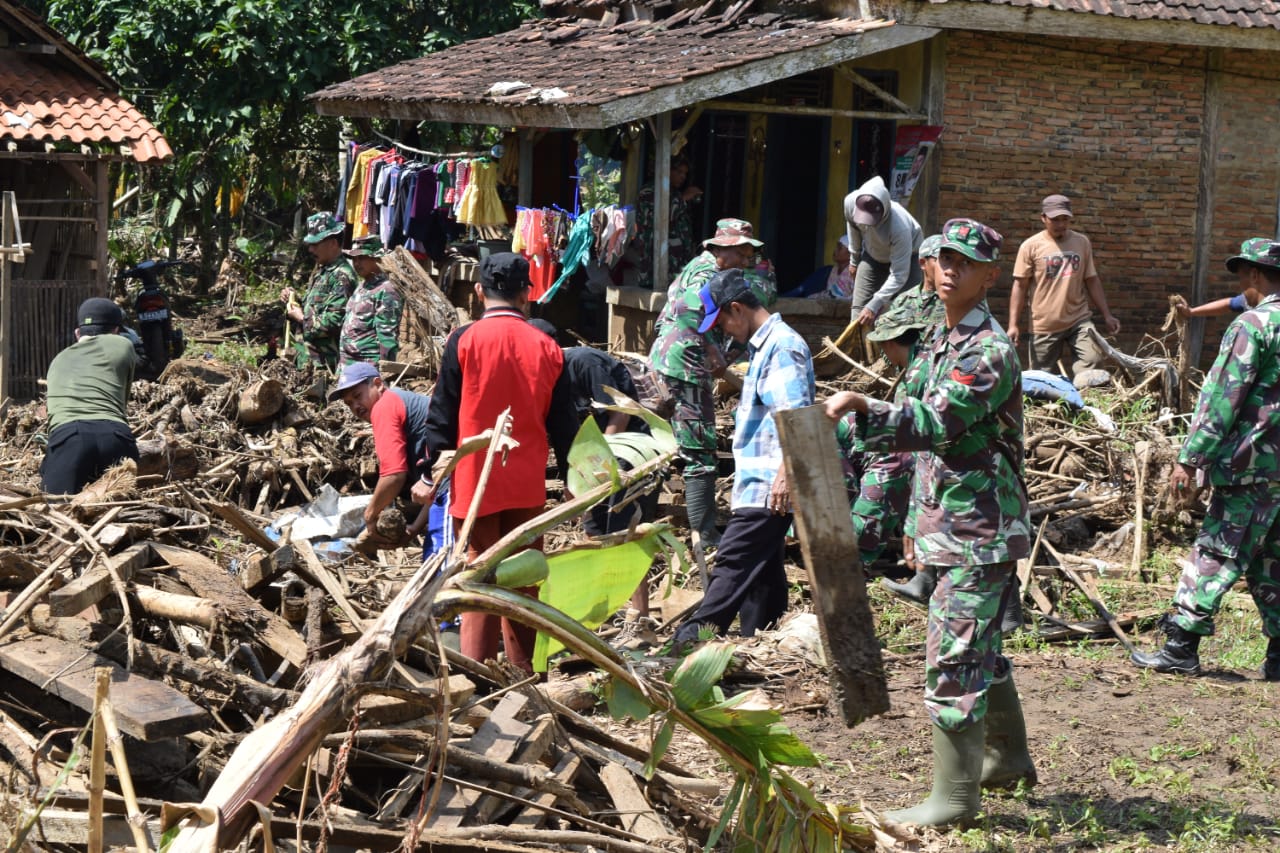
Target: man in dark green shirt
<point>88,392</point>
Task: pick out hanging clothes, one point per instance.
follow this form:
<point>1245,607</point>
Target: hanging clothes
<point>480,204</point>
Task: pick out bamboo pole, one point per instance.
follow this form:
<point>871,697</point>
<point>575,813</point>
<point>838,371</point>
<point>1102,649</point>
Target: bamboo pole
<point>98,762</point>
<point>137,821</point>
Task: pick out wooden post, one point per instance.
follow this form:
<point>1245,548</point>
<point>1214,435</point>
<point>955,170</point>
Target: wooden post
<point>8,208</point>
<point>524,181</point>
<point>102,212</point>
<point>662,203</point>
<point>836,581</point>
<point>1202,244</point>
<point>935,82</point>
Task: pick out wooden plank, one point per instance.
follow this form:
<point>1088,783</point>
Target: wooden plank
<point>69,827</point>
<point>633,810</point>
<point>565,771</point>
<point>261,568</point>
<point>146,709</point>
<point>95,584</point>
<point>498,737</point>
<point>532,747</point>
<point>209,580</point>
<point>830,551</point>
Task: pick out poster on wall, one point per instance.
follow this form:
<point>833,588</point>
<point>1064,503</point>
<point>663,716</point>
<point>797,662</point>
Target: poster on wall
<point>910,151</point>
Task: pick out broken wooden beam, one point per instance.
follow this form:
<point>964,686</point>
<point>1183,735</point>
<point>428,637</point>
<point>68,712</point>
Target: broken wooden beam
<point>846,625</point>
<point>96,583</point>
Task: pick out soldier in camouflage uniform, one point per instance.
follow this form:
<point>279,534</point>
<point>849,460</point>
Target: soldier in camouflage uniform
<point>680,243</point>
<point>962,411</point>
<point>1234,438</point>
<point>371,329</point>
<point>325,304</point>
<point>885,484</point>
<point>689,361</point>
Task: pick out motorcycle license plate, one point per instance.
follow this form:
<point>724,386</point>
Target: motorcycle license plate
<point>148,316</point>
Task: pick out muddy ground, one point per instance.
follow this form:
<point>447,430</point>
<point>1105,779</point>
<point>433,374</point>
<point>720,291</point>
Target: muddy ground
<point>1127,760</point>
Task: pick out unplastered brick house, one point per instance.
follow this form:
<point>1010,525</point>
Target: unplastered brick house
<point>1159,119</point>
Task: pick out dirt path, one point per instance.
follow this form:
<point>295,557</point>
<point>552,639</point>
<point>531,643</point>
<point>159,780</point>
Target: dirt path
<point>1127,760</point>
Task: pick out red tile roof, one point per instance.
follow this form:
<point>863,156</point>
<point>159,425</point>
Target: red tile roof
<point>1246,14</point>
<point>571,63</point>
<point>1229,13</point>
<point>40,99</point>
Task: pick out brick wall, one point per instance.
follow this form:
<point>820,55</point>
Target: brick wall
<point>1247,171</point>
<point>1115,126</point>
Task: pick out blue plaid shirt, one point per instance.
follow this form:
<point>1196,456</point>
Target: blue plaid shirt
<point>779,377</point>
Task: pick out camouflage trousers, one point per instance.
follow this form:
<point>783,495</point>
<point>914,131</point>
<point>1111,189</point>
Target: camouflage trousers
<point>881,505</point>
<point>694,425</point>
<point>963,645</point>
<point>1240,536</point>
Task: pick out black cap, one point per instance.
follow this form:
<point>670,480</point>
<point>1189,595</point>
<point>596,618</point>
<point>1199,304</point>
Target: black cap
<point>505,272</point>
<point>98,311</point>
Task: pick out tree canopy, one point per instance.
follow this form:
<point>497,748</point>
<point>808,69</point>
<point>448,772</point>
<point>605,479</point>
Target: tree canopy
<point>225,80</point>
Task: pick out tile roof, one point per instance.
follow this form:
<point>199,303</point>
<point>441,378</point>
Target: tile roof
<point>42,100</point>
<point>1247,14</point>
<point>574,65</point>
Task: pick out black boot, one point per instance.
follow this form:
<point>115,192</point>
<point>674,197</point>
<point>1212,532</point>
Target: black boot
<point>1179,655</point>
<point>1271,665</point>
<point>1013,619</point>
<point>919,589</point>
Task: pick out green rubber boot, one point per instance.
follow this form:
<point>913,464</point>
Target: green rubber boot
<point>918,589</point>
<point>700,505</point>
<point>957,769</point>
<point>1006,761</point>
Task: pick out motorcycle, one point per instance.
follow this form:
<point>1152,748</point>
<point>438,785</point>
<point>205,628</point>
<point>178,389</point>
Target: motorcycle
<point>160,341</point>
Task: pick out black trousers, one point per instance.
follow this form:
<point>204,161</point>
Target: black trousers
<point>749,580</point>
<point>80,451</point>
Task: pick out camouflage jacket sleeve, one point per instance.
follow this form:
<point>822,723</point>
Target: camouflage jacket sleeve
<point>325,305</point>
<point>1235,430</point>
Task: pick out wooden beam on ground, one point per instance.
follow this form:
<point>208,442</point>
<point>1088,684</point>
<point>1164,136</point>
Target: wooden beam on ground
<point>839,589</point>
<point>146,709</point>
<point>633,810</point>
<point>263,568</point>
<point>209,580</point>
<point>534,744</point>
<point>95,584</point>
<point>564,772</point>
<point>496,738</point>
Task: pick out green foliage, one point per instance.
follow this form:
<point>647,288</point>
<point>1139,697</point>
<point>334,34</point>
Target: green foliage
<point>226,82</point>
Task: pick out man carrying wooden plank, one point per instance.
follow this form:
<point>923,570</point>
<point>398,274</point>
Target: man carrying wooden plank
<point>962,410</point>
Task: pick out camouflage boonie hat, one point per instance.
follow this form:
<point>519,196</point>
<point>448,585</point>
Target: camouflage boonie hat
<point>929,248</point>
<point>365,247</point>
<point>1256,250</point>
<point>913,311</point>
<point>972,239</point>
<point>322,226</point>
<point>733,232</point>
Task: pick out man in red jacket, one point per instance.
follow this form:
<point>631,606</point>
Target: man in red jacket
<point>497,362</point>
